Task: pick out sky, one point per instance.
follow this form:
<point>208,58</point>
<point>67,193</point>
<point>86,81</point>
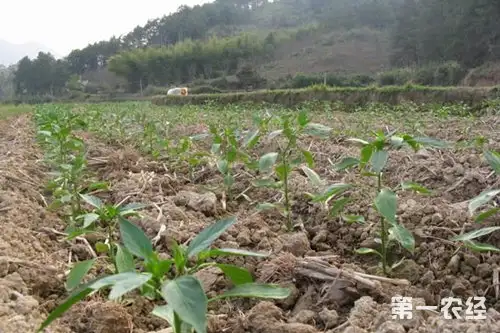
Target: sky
<point>63,25</point>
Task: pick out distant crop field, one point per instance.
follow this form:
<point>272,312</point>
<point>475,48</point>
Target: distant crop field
<point>308,213</point>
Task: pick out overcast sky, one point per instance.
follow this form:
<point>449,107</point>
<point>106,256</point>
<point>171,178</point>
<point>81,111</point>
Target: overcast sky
<point>64,25</point>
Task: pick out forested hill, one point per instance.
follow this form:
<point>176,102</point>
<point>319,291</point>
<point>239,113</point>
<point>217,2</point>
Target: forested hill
<point>272,40</point>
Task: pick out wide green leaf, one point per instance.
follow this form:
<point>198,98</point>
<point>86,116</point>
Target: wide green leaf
<point>379,160</point>
<point>493,159</point>
<point>124,260</point>
<point>481,200</point>
<point>346,163</point>
<point>78,272</point>
<point>475,234</point>
<point>134,239</point>
<point>255,290</point>
<point>89,218</point>
<point>386,203</point>
<point>122,283</point>
<point>164,312</point>
<point>314,178</point>
<point>207,236</point>
<point>317,130</point>
<point>251,139</point>
<point>92,200</point>
<point>237,275</point>
<point>302,119</point>
<point>267,162</point>
<point>403,236</point>
<point>186,297</point>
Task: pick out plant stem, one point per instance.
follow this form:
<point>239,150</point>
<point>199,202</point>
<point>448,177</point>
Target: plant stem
<point>289,224</point>
<point>383,227</point>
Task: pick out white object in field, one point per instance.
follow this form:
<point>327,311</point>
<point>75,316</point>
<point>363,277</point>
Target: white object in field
<point>178,91</point>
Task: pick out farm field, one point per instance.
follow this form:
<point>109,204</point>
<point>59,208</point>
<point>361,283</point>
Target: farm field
<point>320,217</point>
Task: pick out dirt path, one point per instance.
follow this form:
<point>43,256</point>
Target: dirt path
<point>33,258</point>
<point>31,263</point>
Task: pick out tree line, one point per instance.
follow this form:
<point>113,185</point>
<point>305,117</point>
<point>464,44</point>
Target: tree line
<point>213,39</point>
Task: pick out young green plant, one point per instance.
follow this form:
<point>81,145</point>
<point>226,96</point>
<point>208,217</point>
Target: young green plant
<point>371,162</point>
<point>289,156</point>
<point>172,279</point>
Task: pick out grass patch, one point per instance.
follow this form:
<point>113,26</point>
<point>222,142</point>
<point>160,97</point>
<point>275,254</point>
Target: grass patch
<point>13,110</point>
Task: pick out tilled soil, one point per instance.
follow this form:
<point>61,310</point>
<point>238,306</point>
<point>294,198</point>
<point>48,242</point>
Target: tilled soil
<point>34,258</point>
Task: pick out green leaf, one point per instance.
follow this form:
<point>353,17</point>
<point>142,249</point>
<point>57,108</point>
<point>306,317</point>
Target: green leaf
<point>493,159</point>
<point>164,312</point>
<point>230,252</point>
<point>430,142</point>
<point>482,199</point>
<point>490,212</point>
<point>78,272</point>
<point>386,203</point>
<point>366,154</point>
<point>98,186</point>
<point>186,297</point>
<point>134,239</point>
<point>124,260</point>
<point>346,163</point>
<point>208,235</point>
<point>379,160</point>
<point>403,236</point>
<point>223,166</point>
<point>267,182</point>
<point>255,290</point>
<point>353,218</point>
<point>314,178</point>
<point>267,162</point>
<point>361,141</point>
<point>309,158</point>
<point>331,191</point>
<point>274,134</point>
<point>480,247</point>
<point>63,307</point>
<point>365,250</point>
<point>338,205</point>
<point>88,219</point>
<point>317,130</point>
<point>237,275</point>
<point>122,283</point>
<point>302,118</point>
<point>414,187</point>
<point>101,247</point>
<point>132,206</point>
<point>91,200</point>
<point>251,139</point>
<point>265,206</point>
<point>475,234</point>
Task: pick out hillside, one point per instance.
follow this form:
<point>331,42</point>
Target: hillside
<point>357,51</point>
<point>11,53</point>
